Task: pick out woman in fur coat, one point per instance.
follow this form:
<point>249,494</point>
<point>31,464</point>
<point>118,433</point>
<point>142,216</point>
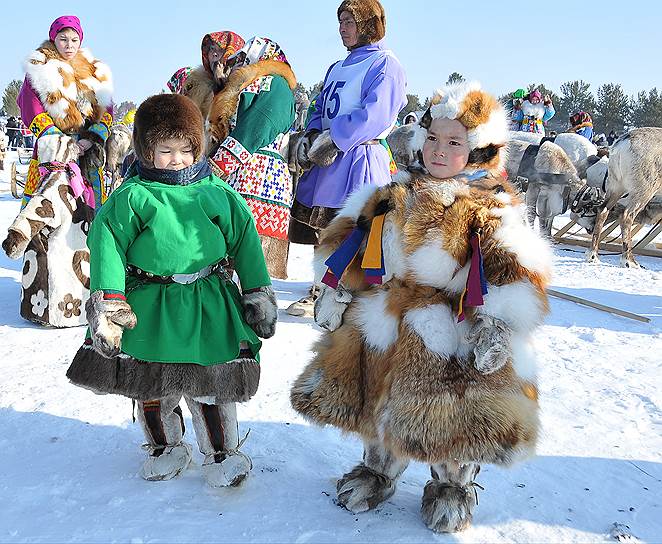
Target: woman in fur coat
<point>358,106</point>
<point>250,119</point>
<point>434,288</point>
<point>66,102</point>
<point>201,84</point>
<point>534,112</point>
<point>67,92</point>
<point>166,320</point>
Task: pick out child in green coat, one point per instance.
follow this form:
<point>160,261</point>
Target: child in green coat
<point>165,318</point>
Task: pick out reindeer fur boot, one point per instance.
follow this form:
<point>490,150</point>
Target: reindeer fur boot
<point>450,497</point>
<point>163,424</point>
<point>218,438</point>
<point>372,482</point>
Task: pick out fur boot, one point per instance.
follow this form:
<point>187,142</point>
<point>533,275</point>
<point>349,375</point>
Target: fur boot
<point>372,482</point>
<point>163,425</point>
<point>450,497</point>
<point>217,432</point>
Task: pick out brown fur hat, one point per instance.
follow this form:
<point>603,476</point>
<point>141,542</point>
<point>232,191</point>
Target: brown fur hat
<point>370,19</point>
<point>164,116</point>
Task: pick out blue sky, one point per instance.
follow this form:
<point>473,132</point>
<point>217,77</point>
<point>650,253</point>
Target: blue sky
<point>504,45</point>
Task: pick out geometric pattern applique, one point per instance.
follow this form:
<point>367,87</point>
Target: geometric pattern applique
<point>261,84</point>
<point>226,162</point>
<point>236,148</point>
<point>266,178</point>
<point>40,123</point>
<point>270,219</point>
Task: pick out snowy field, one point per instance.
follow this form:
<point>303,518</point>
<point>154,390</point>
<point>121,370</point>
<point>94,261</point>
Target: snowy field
<point>70,458</point>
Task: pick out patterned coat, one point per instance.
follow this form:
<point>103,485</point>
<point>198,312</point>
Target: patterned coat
<point>253,124</point>
<point>67,97</point>
<point>50,232</point>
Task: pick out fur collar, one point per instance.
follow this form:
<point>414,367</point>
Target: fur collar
<point>200,87</point>
<point>72,92</point>
<point>225,103</point>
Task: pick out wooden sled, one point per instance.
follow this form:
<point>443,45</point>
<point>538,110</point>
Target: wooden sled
<point>17,181</point>
<point>646,246</point>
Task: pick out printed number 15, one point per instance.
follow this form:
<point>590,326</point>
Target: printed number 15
<point>331,113</point>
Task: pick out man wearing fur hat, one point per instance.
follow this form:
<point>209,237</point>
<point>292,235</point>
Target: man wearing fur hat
<point>358,106</point>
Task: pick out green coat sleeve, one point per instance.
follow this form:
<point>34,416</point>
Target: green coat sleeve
<point>262,117</point>
<point>244,246</point>
<point>113,230</point>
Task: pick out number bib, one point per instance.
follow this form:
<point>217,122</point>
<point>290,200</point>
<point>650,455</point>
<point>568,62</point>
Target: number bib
<point>342,89</point>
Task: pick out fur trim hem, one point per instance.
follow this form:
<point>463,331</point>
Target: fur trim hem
<point>234,381</point>
<point>225,103</point>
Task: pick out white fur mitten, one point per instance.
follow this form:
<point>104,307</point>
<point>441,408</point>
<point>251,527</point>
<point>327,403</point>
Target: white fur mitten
<point>261,311</point>
<point>107,320</point>
<point>491,338</point>
<point>331,305</point>
<point>323,151</point>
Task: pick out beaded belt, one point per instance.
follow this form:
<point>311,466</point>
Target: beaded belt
<point>184,279</point>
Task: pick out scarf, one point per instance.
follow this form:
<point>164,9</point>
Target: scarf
<point>185,176</point>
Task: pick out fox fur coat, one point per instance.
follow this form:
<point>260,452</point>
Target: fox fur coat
<point>401,369</point>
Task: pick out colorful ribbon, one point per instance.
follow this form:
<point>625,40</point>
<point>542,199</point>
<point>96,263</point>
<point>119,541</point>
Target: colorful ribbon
<point>76,181</point>
<point>476,286</point>
<point>373,258</point>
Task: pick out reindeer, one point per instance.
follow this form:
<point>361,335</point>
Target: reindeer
<point>632,176</point>
<point>547,175</point>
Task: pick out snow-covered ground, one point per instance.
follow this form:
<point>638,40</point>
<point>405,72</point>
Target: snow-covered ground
<point>70,458</point>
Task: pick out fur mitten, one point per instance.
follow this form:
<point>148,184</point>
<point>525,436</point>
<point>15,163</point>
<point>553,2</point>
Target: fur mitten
<point>107,319</point>
<point>331,305</point>
<point>15,243</point>
<point>95,156</point>
<point>323,151</point>
<point>302,148</point>
<point>492,343</point>
<point>261,310</point>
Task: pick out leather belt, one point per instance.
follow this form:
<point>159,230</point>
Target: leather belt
<point>183,279</point>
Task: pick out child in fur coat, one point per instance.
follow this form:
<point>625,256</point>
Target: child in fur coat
<point>165,318</point>
<point>421,366</point>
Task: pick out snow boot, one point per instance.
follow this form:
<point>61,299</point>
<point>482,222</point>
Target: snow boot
<point>166,463</point>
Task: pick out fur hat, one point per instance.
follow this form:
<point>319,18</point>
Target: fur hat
<point>370,19</point>
<point>164,116</point>
<point>481,114</point>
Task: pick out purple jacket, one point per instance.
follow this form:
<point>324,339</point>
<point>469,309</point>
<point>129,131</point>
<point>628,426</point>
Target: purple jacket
<point>382,98</point>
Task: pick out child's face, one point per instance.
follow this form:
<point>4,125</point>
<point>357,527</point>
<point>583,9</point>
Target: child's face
<point>173,154</point>
<point>446,149</point>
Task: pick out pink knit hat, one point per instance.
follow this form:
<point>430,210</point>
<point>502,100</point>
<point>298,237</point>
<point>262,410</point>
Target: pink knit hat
<point>65,21</point>
<point>535,94</point>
